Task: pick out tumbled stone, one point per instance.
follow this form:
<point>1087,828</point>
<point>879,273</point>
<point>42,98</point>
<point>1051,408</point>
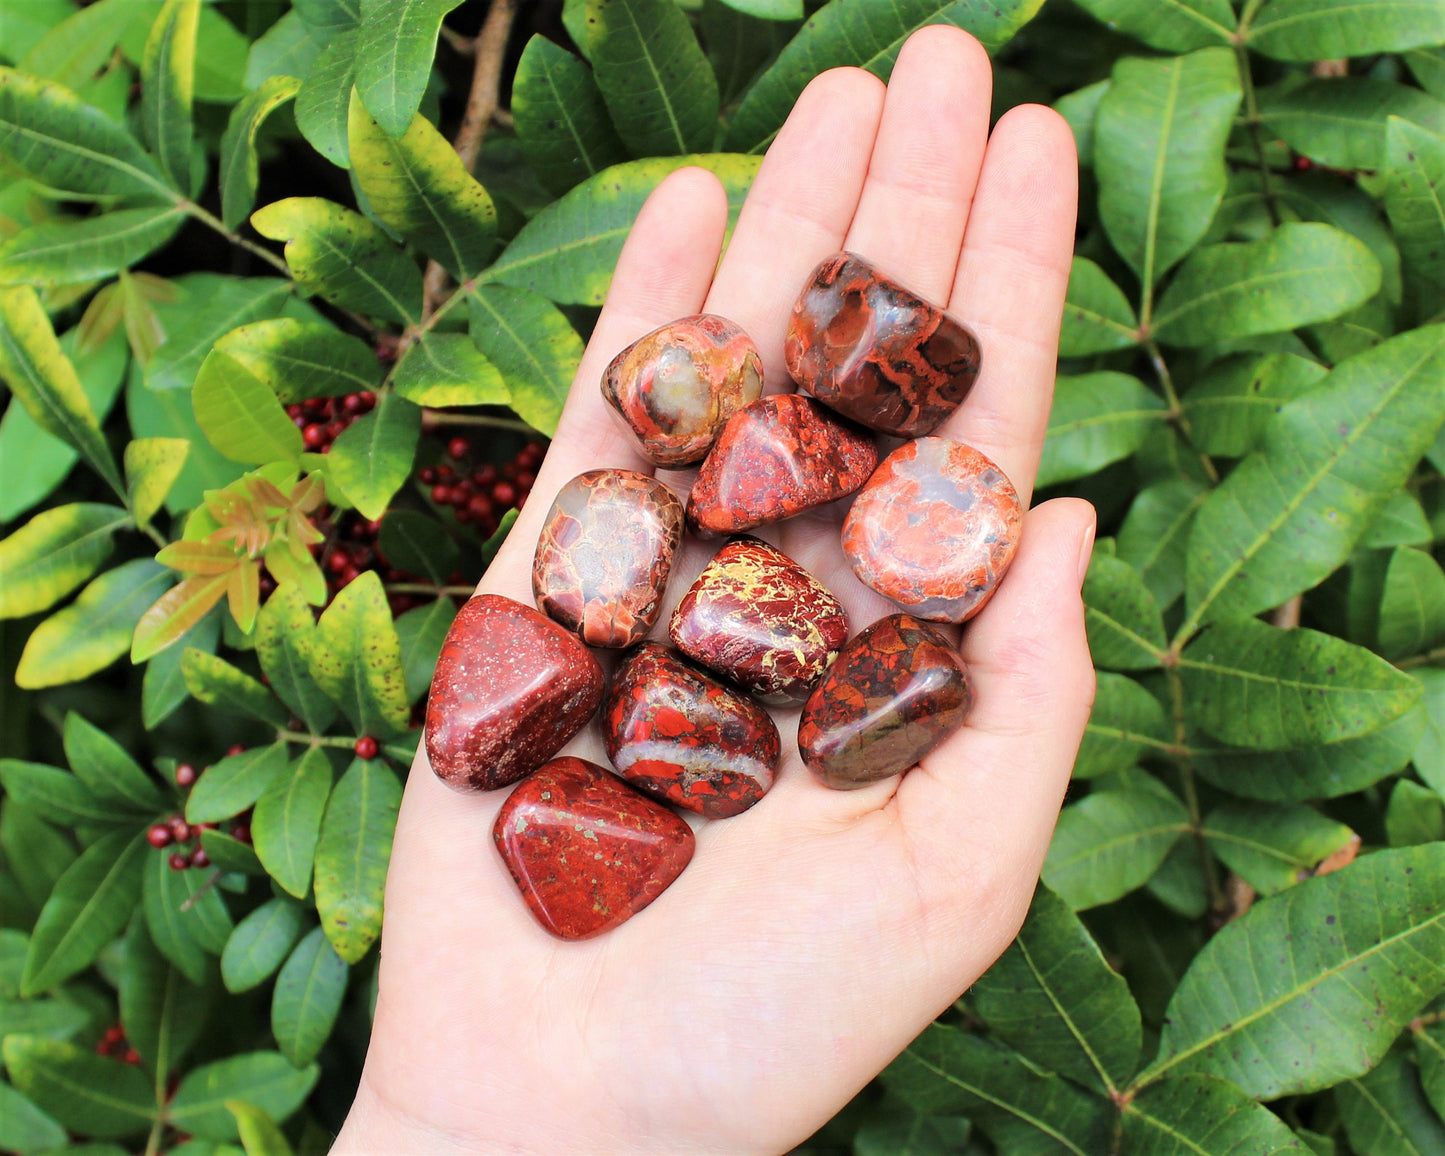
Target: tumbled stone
<point>867,347</point>
<point>758,618</point>
<point>605,553</point>
<point>681,735</point>
<point>934,529</point>
<point>511,687</point>
<point>586,850</point>
<point>896,692</point>
<point>776,458</point>
<point>676,387</point>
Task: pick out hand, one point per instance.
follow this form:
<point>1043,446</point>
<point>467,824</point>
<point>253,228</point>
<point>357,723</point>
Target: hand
<point>814,936</point>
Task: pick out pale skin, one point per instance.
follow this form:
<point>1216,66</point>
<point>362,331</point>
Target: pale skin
<point>814,936</point>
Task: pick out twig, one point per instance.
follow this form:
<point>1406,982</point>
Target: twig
<point>1286,616</point>
<point>432,418</point>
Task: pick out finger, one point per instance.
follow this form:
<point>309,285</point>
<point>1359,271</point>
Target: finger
<point>1010,287</point>
<point>924,167</point>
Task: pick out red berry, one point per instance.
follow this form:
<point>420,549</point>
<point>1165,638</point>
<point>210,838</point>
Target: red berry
<point>186,775</point>
<point>177,861</point>
<point>366,747</point>
<point>368,399</point>
<point>347,576</point>
<point>504,494</point>
<point>479,507</point>
<point>241,832</point>
<point>235,749</point>
<point>115,1034</point>
<point>337,561</point>
<point>199,858</point>
<point>1303,164</point>
<point>459,448</point>
<point>441,495</point>
<point>428,476</point>
<point>159,835</point>
<point>352,403</point>
<point>314,436</point>
<point>446,474</point>
<point>181,831</point>
<point>525,480</point>
<point>485,475</point>
<point>131,1057</point>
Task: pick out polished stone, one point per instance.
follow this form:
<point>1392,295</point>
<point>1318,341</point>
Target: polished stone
<point>676,387</point>
<point>896,692</point>
<point>605,553</point>
<point>776,458</point>
<point>758,618</point>
<point>511,687</point>
<point>875,352</point>
<point>934,529</point>
<point>586,850</point>
<point>682,736</point>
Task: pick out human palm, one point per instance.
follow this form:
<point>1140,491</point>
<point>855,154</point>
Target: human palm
<point>813,936</point>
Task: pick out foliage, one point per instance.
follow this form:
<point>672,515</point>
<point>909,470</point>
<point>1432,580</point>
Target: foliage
<point>236,517</point>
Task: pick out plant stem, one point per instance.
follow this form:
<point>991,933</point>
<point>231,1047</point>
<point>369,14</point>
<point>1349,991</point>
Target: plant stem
<point>428,588</point>
<point>431,418</point>
<point>1422,659</point>
<point>290,736</point>
<point>1191,795</point>
<point>1286,616</point>
<point>1176,410</point>
<point>251,247</point>
<point>1251,107</point>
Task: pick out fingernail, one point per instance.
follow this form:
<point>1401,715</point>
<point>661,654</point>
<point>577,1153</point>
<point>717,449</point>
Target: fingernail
<point>1086,550</point>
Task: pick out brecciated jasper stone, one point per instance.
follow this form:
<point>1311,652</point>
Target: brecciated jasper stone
<point>604,555</point>
<point>586,850</point>
<point>934,529</point>
<point>511,687</point>
<point>683,736</point>
<point>758,618</point>
<point>896,692</point>
<point>676,387</point>
<point>877,353</point>
<point>775,458</point>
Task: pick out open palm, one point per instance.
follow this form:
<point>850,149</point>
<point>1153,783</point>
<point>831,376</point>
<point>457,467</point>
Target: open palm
<point>813,936</point>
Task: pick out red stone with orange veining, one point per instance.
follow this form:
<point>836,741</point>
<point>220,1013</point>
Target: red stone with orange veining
<point>605,554</point>
<point>777,457</point>
<point>683,736</point>
<point>934,529</point>
<point>758,618</point>
<point>677,386</point>
<point>511,687</point>
<point>586,850</point>
<point>864,345</point>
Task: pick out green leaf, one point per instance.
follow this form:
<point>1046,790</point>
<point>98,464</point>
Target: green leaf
<point>1168,25</point>
<point>1110,843</point>
<point>1401,523</point>
<point>230,854</point>
<point>1415,815</point>
<point>422,630</point>
<point>240,169</point>
<point>1341,122</point>
<point>567,251</point>
<point>235,783</point>
<point>1428,65</point>
<point>107,771</point>
<point>1291,512</point>
<point>265,1079</point>
<point>533,346</point>
<point>398,39</point>
<point>356,659</point>
<point>1229,408</point>
<point>84,1092</point>
<point>1125,629</point>
<point>64,252</point>
<point>1430,1055</point>
<point>299,360</point>
<point>326,18</point>
<point>287,48</point>
<point>260,942</point>
<point>1096,419</point>
<point>343,257</point>
<point>560,117</point>
<point>215,682</point>
<point>90,904</point>
<point>1412,610</point>
<point>769,9</point>
<point>1155,534</point>
<point>76,48</point>
<point>867,34</point>
<point>53,553</point>
<point>176,613</point>
<point>43,378</point>
<point>220,53</point>
<point>37,855</point>
<point>95,629</point>
<point>308,998</point>
<point>372,458</point>
<point>1429,755</point>
<point>418,186</point>
<point>352,856</point>
<point>187,917</point>
<point>259,1134</point>
<point>152,466</point>
<point>287,822</point>
<point>168,413</point>
<point>168,74</point>
<point>447,369</point>
<point>1385,1112</point>
<point>219,305</point>
<point>1126,722</point>
<point>1342,961</point>
<point>417,544</point>
<point>285,645</point>
<point>1272,847</point>
<point>1052,997</point>
<point>162,1012</point>
<point>1097,316</point>
<point>1415,198</point>
<point>322,102</point>
<point>55,1019</point>
<point>1323,197</point>
<point>1307,30</point>
<point>56,796</point>
<point>23,1126</point>
<point>240,416</point>
<point>1198,1114</point>
<point>1159,142</point>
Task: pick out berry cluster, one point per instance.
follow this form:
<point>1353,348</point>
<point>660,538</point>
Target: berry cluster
<point>480,493</point>
<point>113,1043</point>
<point>176,832</point>
<point>322,419</point>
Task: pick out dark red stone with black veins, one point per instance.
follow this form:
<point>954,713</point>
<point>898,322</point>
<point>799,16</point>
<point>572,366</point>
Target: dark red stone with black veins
<point>605,553</point>
<point>586,850</point>
<point>896,692</point>
<point>934,529</point>
<point>682,736</point>
<point>511,687</point>
<point>775,458</point>
<point>758,618</point>
<point>864,345</point>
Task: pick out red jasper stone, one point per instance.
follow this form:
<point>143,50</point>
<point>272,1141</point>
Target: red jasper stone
<point>775,458</point>
<point>605,553</point>
<point>680,735</point>
<point>511,687</point>
<point>676,387</point>
<point>896,692</point>
<point>586,850</point>
<point>934,529</point>
<point>758,618</point>
<point>864,345</point>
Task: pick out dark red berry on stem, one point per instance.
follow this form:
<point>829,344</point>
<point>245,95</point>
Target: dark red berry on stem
<point>181,831</point>
<point>235,749</point>
<point>199,858</point>
<point>428,476</point>
<point>131,1057</point>
<point>115,1034</point>
<point>367,747</point>
<point>186,774</point>
<point>177,861</point>
<point>441,495</point>
<point>459,448</point>
<point>504,494</point>
<point>241,832</point>
<point>337,561</point>
<point>479,507</point>
<point>159,835</point>
<point>313,435</point>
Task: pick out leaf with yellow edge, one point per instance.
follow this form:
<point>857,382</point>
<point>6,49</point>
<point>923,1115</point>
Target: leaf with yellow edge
<point>168,76</point>
<point>240,169</point>
<point>53,553</point>
<point>357,659</point>
<point>174,613</point>
<point>152,466</point>
<point>259,1134</point>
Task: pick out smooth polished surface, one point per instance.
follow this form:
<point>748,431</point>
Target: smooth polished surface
<point>511,687</point>
<point>586,850</point>
<point>776,458</point>
<point>605,553</point>
<point>681,735</point>
<point>758,618</point>
<point>896,692</point>
<point>934,529</point>
<point>677,387</point>
<point>876,352</point>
